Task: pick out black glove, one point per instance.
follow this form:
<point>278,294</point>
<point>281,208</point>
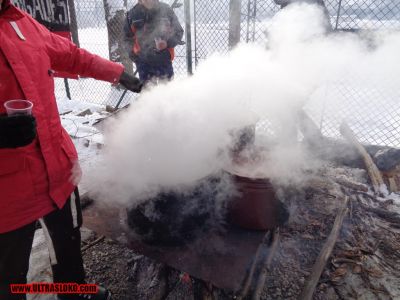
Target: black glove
<point>17,131</point>
<point>130,82</point>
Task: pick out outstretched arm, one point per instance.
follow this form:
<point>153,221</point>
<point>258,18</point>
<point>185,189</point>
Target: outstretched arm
<point>65,56</point>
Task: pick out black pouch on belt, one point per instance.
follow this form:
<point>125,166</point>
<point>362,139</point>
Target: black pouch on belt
<point>17,131</point>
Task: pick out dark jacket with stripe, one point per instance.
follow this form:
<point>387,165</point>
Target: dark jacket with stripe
<point>143,26</point>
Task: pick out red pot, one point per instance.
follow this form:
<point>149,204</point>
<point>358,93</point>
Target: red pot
<point>256,206</point>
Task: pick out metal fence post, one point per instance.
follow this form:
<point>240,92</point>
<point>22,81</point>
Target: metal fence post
<point>196,60</point>
<point>188,29</point>
<point>338,14</point>
<point>234,22</point>
<point>254,20</point>
<point>67,90</point>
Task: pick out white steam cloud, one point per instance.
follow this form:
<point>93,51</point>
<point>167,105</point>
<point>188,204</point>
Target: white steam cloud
<point>182,131</point>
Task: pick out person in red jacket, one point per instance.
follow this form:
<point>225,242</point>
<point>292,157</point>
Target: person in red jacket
<point>36,153</point>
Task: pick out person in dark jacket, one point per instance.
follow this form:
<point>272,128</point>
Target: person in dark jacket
<point>284,3</point>
<point>321,3</point>
<point>37,156</point>
<point>152,31</point>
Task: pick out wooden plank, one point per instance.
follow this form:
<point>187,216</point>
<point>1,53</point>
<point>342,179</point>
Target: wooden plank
<point>375,175</point>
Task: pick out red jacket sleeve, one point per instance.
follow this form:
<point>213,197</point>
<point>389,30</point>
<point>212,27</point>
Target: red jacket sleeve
<point>65,56</point>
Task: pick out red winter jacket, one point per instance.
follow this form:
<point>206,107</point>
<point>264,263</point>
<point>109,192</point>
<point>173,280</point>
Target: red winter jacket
<point>35,179</point>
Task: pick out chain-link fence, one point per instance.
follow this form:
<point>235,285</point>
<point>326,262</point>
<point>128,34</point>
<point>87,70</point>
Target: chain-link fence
<point>373,123</point>
<point>372,110</point>
<point>94,32</point>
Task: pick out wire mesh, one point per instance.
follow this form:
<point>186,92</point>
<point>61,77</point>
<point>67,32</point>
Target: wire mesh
<point>373,123</point>
<point>365,14</point>
<point>372,111</point>
<point>94,36</point>
<point>211,34</point>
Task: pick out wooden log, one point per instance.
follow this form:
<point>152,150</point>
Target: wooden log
<point>351,184</point>
<point>85,112</point>
<point>392,178</point>
<point>393,186</point>
<point>250,275</point>
<point>267,263</point>
<point>96,241</point>
<point>65,112</point>
<point>309,129</point>
<point>325,253</point>
<point>375,175</point>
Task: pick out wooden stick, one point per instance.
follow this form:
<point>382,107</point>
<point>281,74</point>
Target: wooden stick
<point>66,112</point>
<point>393,186</point>
<point>249,279</point>
<point>308,128</point>
<point>373,171</point>
<point>267,263</point>
<point>352,185</point>
<point>96,241</point>
<point>325,253</point>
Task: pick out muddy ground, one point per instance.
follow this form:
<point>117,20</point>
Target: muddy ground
<point>365,263</point>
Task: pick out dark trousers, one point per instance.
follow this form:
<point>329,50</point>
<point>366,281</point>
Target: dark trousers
<point>149,72</point>
<point>61,228</point>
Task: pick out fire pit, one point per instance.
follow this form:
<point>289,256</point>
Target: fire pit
<point>177,217</point>
<point>205,229</point>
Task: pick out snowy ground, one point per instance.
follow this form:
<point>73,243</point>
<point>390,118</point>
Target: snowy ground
<point>87,139</point>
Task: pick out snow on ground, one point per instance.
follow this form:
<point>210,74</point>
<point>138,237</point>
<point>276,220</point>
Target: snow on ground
<point>78,119</point>
<point>87,139</point>
<point>396,199</point>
